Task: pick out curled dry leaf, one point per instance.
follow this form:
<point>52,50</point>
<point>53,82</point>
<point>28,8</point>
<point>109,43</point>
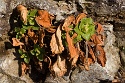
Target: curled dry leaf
<point>67,23</point>
<point>72,50</point>
<point>23,13</point>
<point>41,36</point>
<point>91,53</point>
<point>30,33</point>
<point>83,59</point>
<point>79,17</point>
<point>80,52</point>
<point>101,38</point>
<point>33,36</point>
<point>24,67</point>
<point>101,58</point>
<point>89,62</point>
<point>40,65</point>
<point>100,33</point>
<point>96,40</point>
<point>59,66</point>
<point>26,40</point>
<point>16,42</point>
<point>43,18</point>
<point>91,43</point>
<point>100,29</point>
<point>86,61</point>
<point>81,55</point>
<point>74,35</point>
<point>56,42</point>
<point>48,60</point>
<point>51,30</point>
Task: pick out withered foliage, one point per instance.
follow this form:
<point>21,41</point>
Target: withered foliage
<point>23,13</point>
<point>55,41</point>
<point>59,67</point>
<point>43,18</point>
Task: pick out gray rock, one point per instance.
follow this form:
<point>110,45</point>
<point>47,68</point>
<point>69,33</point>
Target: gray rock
<point>3,6</point>
<point>103,7</point>
<point>112,52</point>
<point>9,67</point>
<point>94,75</point>
<point>4,78</point>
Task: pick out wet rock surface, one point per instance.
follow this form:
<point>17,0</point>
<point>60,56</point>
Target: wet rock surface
<point>108,12</point>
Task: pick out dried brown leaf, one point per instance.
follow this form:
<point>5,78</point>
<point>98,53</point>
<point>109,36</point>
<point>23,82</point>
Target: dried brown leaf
<point>79,17</point>
<point>59,66</point>
<point>16,42</point>
<point>41,36</point>
<point>33,36</point>
<point>43,18</point>
<point>48,60</point>
<point>56,42</point>
<point>101,58</point>
<point>51,30</point>
<point>24,67</point>
<point>30,33</point>
<point>23,13</point>
<point>91,53</point>
<point>116,80</point>
<point>100,29</point>
<point>101,38</point>
<point>96,40</point>
<point>26,40</point>
<point>100,32</point>
<point>67,23</point>
<point>40,66</point>
<point>81,53</point>
<point>91,43</point>
<point>72,50</point>
<point>88,63</point>
<point>82,56</point>
<point>74,35</point>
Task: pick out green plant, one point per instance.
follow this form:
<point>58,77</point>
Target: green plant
<point>39,39</point>
<point>38,52</point>
<point>85,29</point>
<point>21,33</point>
<point>24,55</point>
<point>31,24</point>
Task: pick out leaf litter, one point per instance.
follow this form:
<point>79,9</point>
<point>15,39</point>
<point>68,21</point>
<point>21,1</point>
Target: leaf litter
<point>65,43</point>
<point>56,42</point>
<point>23,13</point>
<point>59,67</point>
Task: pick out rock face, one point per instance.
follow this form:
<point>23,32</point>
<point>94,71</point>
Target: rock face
<point>103,11</point>
<point>9,64</point>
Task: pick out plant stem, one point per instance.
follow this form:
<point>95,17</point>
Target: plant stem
<point>86,51</point>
